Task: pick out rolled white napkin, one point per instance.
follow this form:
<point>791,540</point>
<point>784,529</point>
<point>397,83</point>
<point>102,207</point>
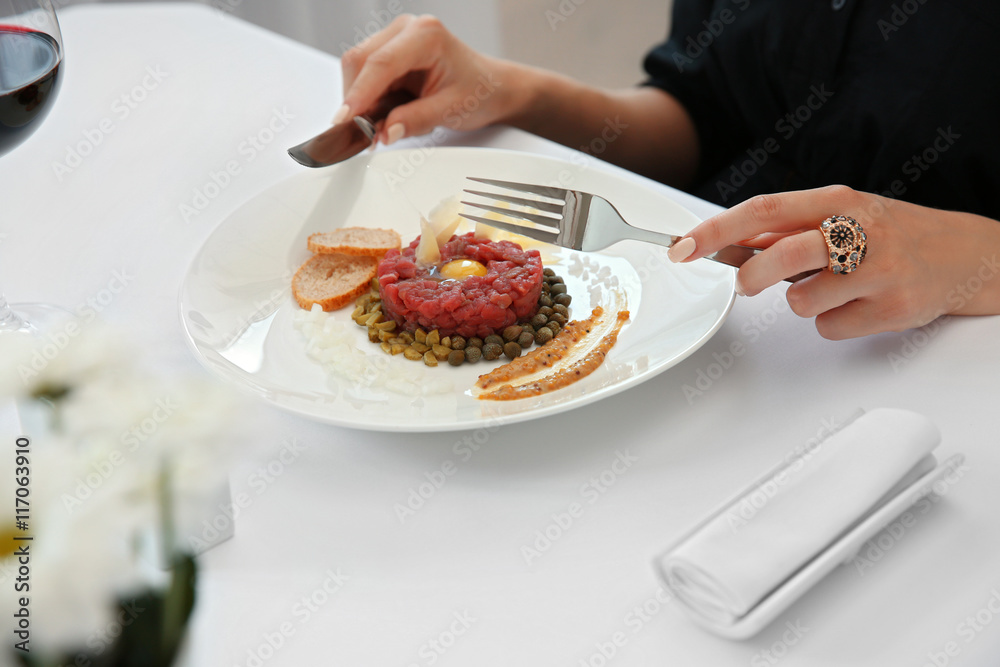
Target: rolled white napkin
<point>729,565</point>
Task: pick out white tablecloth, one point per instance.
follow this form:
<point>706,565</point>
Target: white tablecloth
<point>322,571</point>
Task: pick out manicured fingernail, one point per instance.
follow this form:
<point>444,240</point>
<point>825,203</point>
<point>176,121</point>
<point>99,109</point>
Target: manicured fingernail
<point>681,250</point>
<point>342,113</point>
<point>394,133</point>
<point>739,287</point>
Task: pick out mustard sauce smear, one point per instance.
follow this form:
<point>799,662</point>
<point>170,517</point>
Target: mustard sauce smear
<point>547,356</point>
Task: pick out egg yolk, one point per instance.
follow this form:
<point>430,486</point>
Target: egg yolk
<point>462,268</point>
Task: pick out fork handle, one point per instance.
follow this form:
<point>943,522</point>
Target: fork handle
<point>733,255</point>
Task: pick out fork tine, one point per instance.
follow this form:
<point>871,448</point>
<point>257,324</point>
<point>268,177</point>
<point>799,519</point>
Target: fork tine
<point>554,193</point>
<point>540,205</point>
<point>543,235</point>
<point>513,213</point>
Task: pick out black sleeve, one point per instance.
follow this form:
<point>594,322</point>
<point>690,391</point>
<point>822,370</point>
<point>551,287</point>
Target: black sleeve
<point>688,66</point>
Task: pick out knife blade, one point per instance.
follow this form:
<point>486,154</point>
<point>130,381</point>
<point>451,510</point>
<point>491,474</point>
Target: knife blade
<point>348,138</point>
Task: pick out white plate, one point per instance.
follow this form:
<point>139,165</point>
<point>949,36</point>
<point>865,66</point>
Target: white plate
<point>237,308</point>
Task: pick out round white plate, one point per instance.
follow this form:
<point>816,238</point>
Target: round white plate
<point>237,308</point>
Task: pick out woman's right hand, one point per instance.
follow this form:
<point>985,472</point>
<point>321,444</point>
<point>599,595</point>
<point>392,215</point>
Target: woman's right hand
<point>454,85</point>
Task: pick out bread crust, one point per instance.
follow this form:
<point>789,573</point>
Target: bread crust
<point>373,242</point>
<point>332,280</point>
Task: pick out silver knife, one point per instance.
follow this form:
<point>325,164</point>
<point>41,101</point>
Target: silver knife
<point>350,137</point>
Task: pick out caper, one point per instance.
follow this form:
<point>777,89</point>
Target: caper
<point>555,280</point>
<point>527,327</point>
<point>543,335</point>
<point>511,333</point>
<point>545,300</point>
<point>474,342</point>
<point>555,327</point>
<point>492,351</point>
<point>546,272</point>
<point>457,343</point>
<point>563,299</point>
<point>472,354</point>
<point>558,319</point>
<point>539,320</point>
<point>412,354</point>
<point>545,310</point>
<point>526,339</point>
<point>430,359</point>
<point>512,350</point>
<point>456,357</point>
<point>433,338</point>
<point>558,289</point>
<point>561,309</point>
<point>493,338</point>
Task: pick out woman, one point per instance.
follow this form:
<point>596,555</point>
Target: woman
<point>876,112</point>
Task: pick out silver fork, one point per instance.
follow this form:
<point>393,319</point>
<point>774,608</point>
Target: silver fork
<point>582,221</point>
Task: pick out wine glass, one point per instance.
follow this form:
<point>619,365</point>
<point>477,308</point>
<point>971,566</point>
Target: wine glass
<point>31,55</point>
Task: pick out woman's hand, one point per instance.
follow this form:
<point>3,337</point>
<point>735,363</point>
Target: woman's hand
<point>455,86</point>
<point>464,90</point>
<point>921,262</point>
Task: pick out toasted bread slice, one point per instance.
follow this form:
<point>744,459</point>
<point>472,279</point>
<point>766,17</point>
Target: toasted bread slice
<point>333,281</point>
<point>355,241</point>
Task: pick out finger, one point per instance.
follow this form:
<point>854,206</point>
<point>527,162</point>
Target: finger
<point>783,212</point>
<point>825,291</point>
<point>765,240</point>
<point>852,320</point>
<point>788,256</point>
<point>415,118</point>
<point>413,49</point>
<point>354,59</point>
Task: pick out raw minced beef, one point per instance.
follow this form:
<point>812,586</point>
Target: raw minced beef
<point>415,297</point>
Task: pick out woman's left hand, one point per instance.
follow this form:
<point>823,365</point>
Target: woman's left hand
<point>921,262</point>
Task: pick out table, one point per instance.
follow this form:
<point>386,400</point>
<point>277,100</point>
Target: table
<point>322,570</point>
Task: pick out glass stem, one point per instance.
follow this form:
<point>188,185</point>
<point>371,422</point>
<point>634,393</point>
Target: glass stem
<point>9,320</point>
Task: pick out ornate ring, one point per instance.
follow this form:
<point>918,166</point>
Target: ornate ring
<point>847,242</point>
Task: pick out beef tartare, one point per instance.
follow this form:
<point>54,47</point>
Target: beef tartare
<point>420,296</point>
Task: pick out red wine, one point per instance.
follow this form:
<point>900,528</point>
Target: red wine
<point>29,80</point>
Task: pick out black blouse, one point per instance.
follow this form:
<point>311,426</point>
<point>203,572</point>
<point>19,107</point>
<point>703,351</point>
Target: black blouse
<point>897,97</point>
